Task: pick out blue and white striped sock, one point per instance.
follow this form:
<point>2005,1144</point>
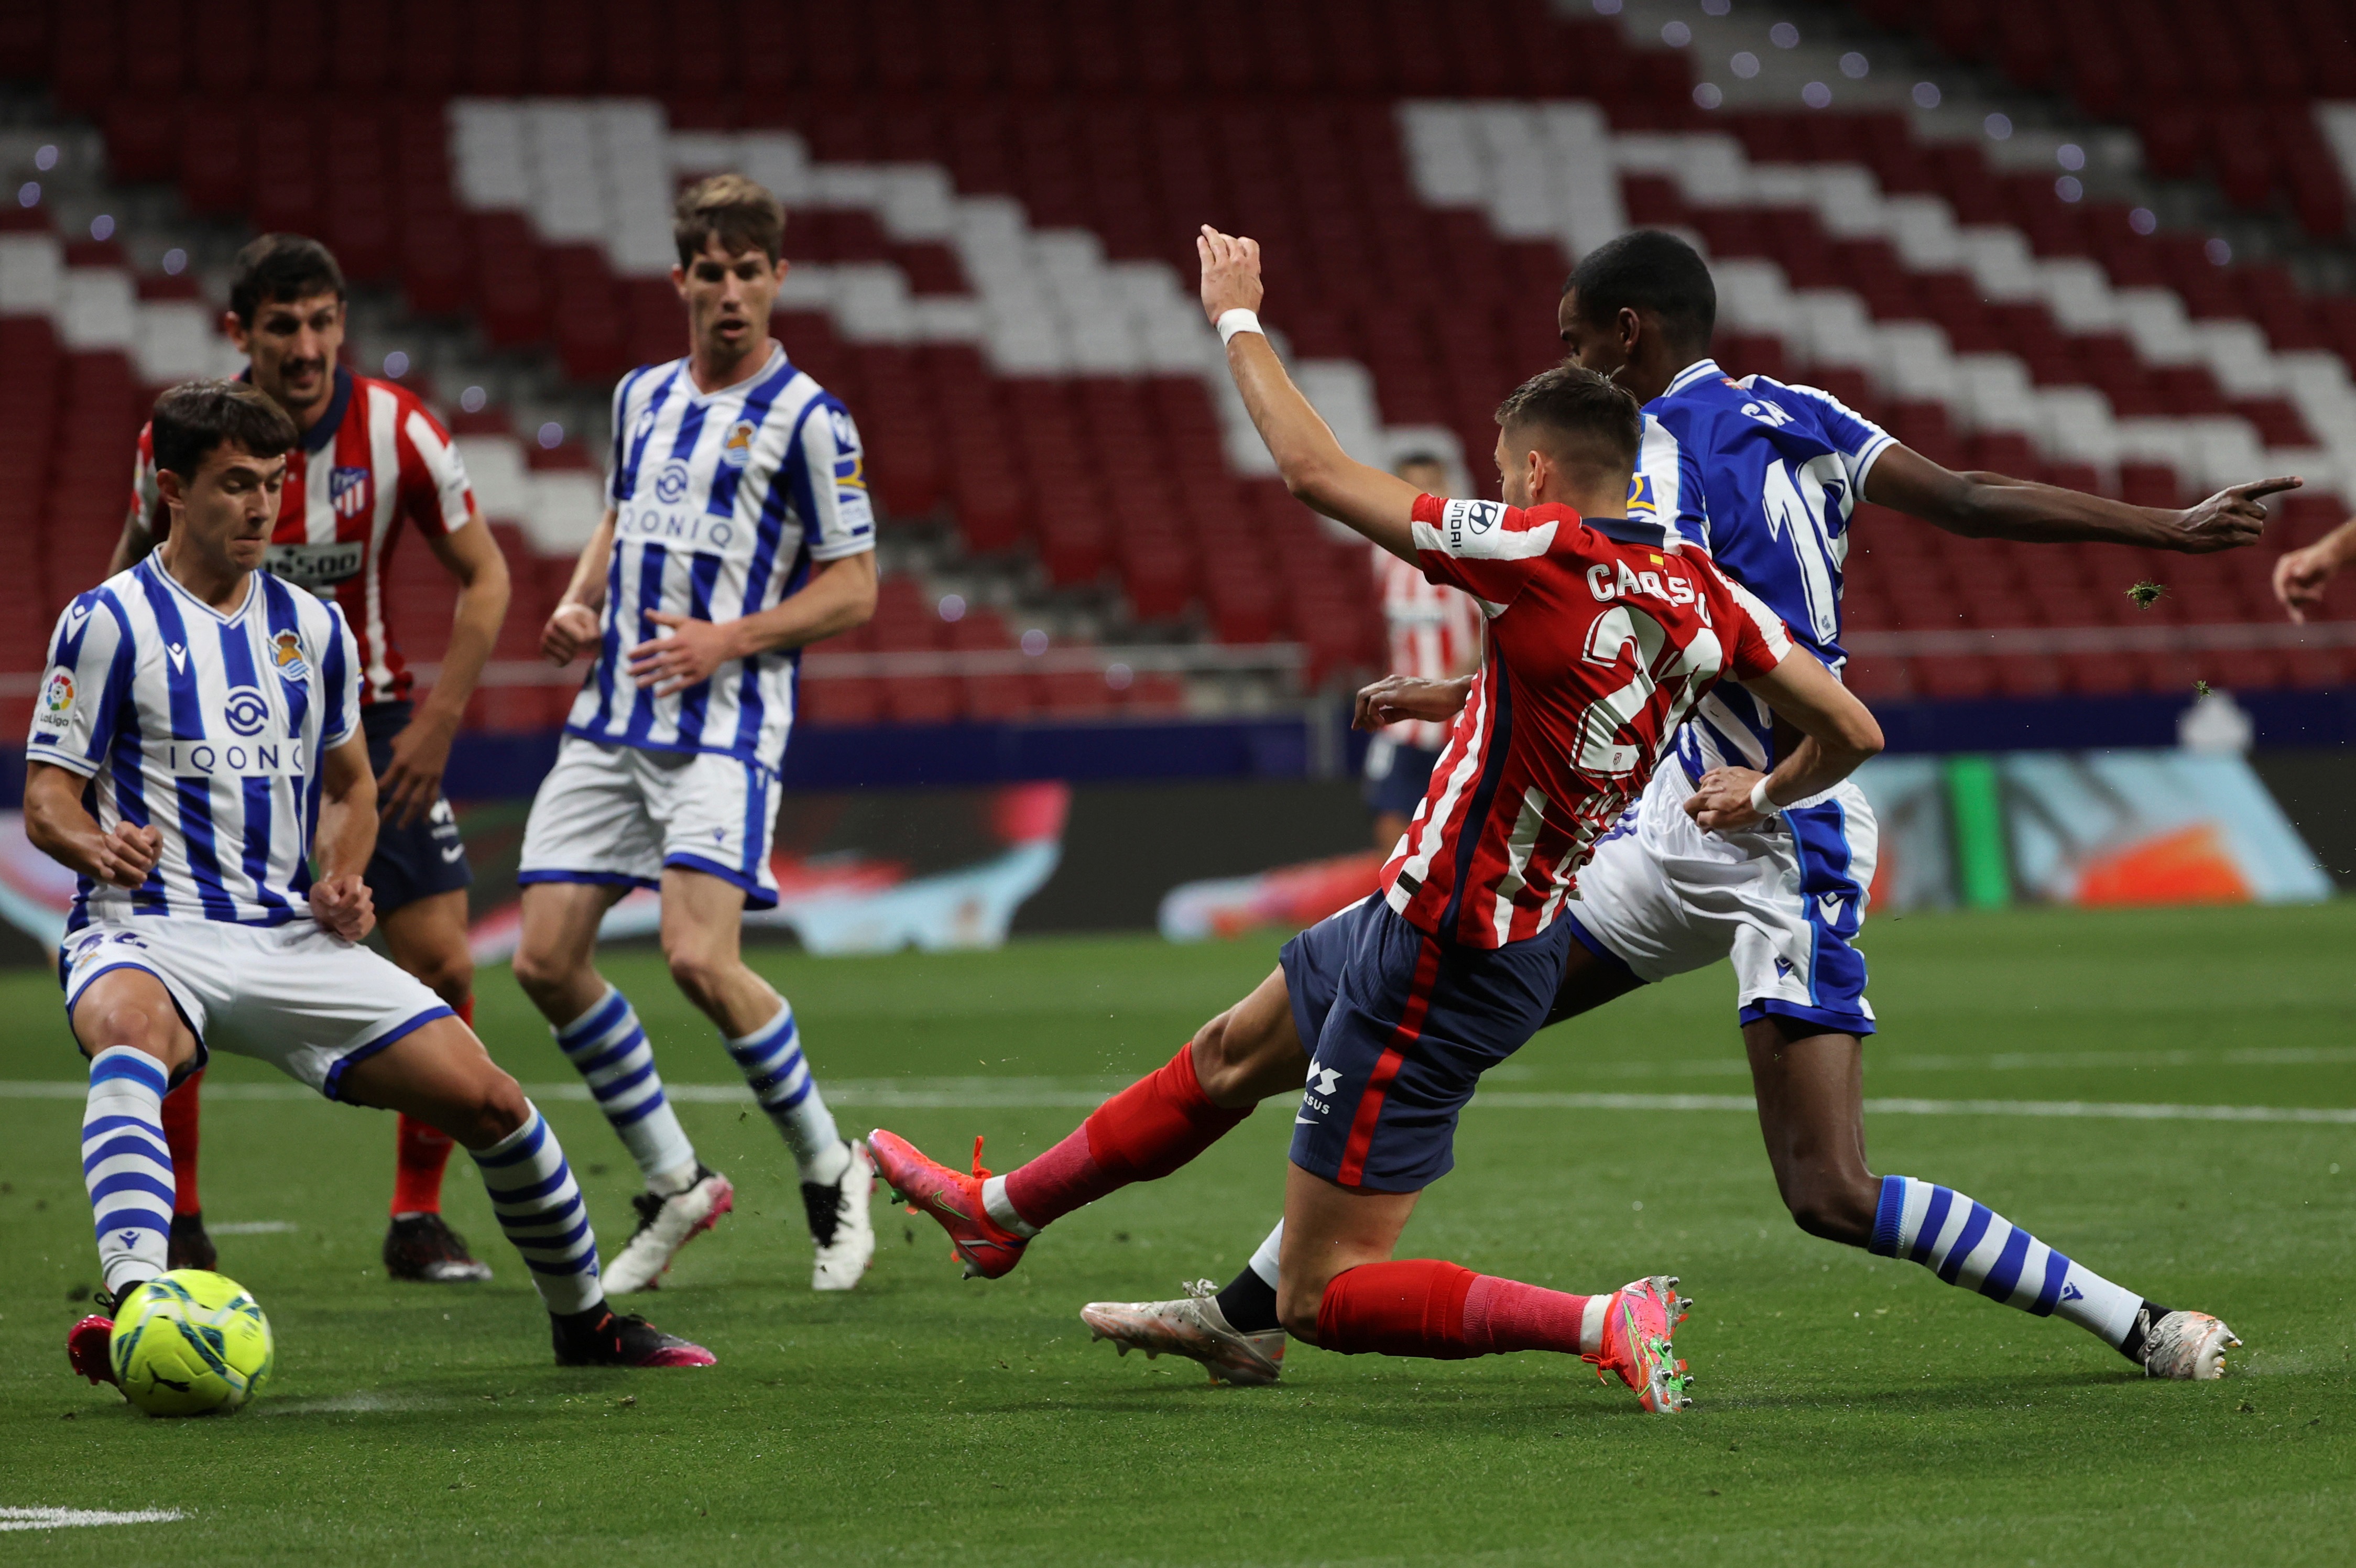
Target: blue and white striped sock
<point>772,1061</point>
<point>127,1165</point>
<point>539,1205</point>
<point>609,1047</point>
<point>1969,1244</point>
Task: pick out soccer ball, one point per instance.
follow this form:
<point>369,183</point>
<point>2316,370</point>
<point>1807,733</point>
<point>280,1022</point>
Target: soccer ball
<point>190,1343</point>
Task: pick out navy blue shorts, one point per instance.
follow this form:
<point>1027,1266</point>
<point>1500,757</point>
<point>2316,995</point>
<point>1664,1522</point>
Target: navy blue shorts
<point>1400,786</point>
<point>425,858</point>
<point>1400,1028</point>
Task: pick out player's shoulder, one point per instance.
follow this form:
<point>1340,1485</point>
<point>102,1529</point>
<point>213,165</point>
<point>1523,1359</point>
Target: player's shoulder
<point>638,386</point>
<point>400,405</point>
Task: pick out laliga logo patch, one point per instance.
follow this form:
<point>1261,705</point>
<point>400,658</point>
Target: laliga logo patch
<point>286,654</point>
<point>351,492</point>
<point>246,711</point>
<point>671,482</point>
<point>738,450</point>
<point>57,701</point>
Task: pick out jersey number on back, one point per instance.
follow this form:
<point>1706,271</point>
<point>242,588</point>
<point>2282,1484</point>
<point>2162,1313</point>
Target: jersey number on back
<point>1609,747</point>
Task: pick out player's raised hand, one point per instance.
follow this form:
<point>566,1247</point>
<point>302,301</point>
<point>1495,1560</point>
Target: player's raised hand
<point>345,906</point>
<point>1230,273</point>
<point>687,657</point>
<point>124,857</point>
<point>1395,698</point>
<point>1722,802</point>
<point>2231,518</point>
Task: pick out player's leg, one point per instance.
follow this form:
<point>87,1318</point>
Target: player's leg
<point>599,1033</point>
<point>702,927</point>
<point>191,1247</point>
<point>439,1073</point>
<point>1147,1130</point>
<point>1241,1326</point>
<point>1810,1086</point>
<point>427,937</point>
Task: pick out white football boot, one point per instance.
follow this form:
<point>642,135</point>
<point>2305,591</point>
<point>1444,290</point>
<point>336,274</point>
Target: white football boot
<point>1194,1328</point>
<point>665,1224</point>
<point>2187,1346</point>
<point>842,1222</point>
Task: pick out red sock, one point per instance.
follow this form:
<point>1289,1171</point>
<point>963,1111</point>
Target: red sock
<point>180,1137</point>
<point>1143,1134</point>
<point>421,1155</point>
<point>1423,1306</point>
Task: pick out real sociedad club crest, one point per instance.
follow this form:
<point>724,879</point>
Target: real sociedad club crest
<point>246,710</point>
<point>351,492</point>
<point>738,450</point>
<point>286,654</point>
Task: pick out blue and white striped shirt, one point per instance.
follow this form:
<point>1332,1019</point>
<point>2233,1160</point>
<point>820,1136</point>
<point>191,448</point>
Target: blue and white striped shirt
<point>723,501</point>
<point>1763,476</point>
<point>207,727</point>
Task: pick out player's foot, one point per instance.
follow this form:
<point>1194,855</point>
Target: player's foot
<point>90,1342</point>
<point>190,1248</point>
<point>423,1247</point>
<point>2188,1346</point>
<point>1194,1328</point>
<point>665,1224</point>
<point>842,1222</point>
<point>1636,1343</point>
<point>604,1337</point>
<point>927,1185</point>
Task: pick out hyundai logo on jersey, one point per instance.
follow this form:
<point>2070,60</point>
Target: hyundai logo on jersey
<point>351,492</point>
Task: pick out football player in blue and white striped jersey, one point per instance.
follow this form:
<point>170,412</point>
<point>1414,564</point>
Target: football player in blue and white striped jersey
<point>195,746</point>
<point>737,531</point>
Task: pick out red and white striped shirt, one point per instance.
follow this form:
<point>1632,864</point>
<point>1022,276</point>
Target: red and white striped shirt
<point>1435,635</point>
<point>377,457</point>
<point>1602,638</point>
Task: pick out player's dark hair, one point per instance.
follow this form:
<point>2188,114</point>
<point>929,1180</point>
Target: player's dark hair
<point>195,418</point>
<point>740,213</point>
<point>278,269</point>
<point>1578,404</point>
<point>1648,270</point>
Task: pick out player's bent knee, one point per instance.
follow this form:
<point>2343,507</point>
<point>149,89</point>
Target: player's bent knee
<point>1832,1209</point>
<point>700,975</point>
<point>1297,1306</point>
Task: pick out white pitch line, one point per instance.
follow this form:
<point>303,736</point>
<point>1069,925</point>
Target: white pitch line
<point>254,1228</point>
<point>1048,1093</point>
<point>67,1519</point>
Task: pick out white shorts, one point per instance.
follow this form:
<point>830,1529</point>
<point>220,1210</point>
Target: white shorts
<point>297,996</point>
<point>618,814</point>
<point>1784,901</point>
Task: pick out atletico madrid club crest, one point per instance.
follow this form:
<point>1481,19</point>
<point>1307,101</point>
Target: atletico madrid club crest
<point>351,492</point>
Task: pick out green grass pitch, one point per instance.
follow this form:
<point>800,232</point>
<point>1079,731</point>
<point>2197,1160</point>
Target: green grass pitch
<point>1852,1410</point>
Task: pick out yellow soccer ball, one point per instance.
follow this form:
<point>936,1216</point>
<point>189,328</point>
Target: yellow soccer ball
<point>190,1343</point>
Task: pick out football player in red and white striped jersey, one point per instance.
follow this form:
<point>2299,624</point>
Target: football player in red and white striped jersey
<point>1602,637</point>
<point>1434,634</point>
<point>372,460</point>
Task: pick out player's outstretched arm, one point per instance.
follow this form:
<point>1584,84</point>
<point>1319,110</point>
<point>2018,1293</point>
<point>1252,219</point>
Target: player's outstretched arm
<point>1991,506</point>
<point>2301,576</point>
<point>1379,505</point>
<point>572,627</point>
<point>57,823</point>
<point>421,752</point>
<point>346,839</point>
<point>1839,735</point>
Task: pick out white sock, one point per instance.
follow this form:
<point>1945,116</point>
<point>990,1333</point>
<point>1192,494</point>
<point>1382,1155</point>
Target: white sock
<point>1001,1209</point>
<point>1263,1262</point>
<point>1590,1322</point>
<point>127,1165</point>
<point>608,1045</point>
<point>772,1061</point>
<point>539,1205</point>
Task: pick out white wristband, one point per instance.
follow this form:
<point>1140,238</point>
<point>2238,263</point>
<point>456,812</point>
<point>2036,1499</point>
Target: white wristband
<point>1238,320</point>
<point>1760,800</point>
